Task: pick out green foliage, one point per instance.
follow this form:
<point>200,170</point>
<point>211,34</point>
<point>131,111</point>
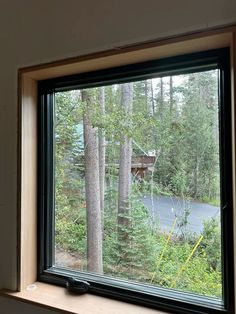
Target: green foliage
<point>130,259</point>
<point>212,243</point>
<point>178,182</point>
<point>179,124</point>
<point>70,226</point>
<point>197,277</point>
<point>187,138</point>
<point>137,258</point>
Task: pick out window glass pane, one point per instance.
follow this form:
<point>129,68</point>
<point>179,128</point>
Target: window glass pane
<point>137,182</point>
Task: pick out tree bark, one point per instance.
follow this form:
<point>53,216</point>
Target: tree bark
<point>102,151</point>
<point>171,98</point>
<point>161,98</point>
<point>93,210</point>
<point>125,162</point>
<point>152,98</point>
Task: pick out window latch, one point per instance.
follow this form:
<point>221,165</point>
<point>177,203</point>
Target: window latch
<point>77,286</point>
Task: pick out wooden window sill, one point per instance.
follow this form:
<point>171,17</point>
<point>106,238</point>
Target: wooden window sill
<point>58,299</point>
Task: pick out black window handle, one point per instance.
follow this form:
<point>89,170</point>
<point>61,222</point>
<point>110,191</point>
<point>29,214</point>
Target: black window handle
<point>77,286</point>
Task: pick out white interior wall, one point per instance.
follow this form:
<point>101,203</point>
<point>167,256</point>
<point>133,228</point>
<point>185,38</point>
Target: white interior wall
<point>34,32</point>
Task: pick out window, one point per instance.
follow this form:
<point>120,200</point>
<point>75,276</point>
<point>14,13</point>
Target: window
<point>135,187</point>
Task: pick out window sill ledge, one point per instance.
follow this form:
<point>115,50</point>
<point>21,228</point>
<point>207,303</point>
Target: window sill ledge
<point>57,298</point>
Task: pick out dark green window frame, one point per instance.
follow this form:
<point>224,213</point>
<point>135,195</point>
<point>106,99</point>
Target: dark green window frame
<point>159,298</point>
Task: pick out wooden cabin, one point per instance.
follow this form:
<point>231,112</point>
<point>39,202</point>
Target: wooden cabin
<point>141,165</point>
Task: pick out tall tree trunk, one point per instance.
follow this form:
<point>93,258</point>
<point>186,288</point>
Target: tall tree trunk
<point>102,151</point>
<point>152,98</point>
<point>195,178</point>
<point>159,143</point>
<point>125,164</point>
<point>161,98</point>
<point>93,210</point>
<point>146,94</point>
<point>171,98</point>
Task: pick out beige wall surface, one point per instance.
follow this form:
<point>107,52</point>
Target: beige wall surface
<point>35,32</point>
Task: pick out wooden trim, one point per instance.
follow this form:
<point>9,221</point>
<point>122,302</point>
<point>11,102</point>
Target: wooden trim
<point>113,58</point>
<point>58,299</point>
<point>27,115</point>
<point>28,174</point>
<point>134,47</point>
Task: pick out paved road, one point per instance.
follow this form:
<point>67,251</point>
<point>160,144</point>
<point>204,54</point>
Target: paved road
<point>165,207</point>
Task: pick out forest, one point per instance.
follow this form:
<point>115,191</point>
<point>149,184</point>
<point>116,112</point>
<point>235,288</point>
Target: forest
<point>118,144</point>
